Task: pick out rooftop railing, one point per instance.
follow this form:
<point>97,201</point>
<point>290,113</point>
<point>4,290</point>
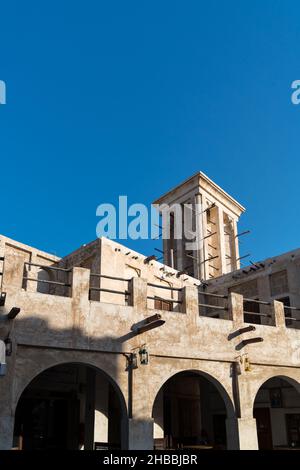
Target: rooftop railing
<point>257,311</point>
<point>291,321</point>
<point>213,305</point>
<point>96,290</point>
<point>171,301</point>
<point>137,292</point>
<point>53,280</point>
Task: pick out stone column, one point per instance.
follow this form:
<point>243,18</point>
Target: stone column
<point>232,434</point>
<point>190,302</point>
<point>89,410</point>
<point>80,284</point>
<point>140,434</point>
<point>6,403</point>
<point>166,251</point>
<point>6,431</point>
<point>178,242</point>
<point>12,284</point>
<point>241,434</point>
<point>140,403</point>
<point>13,273</point>
<point>204,250</point>
<point>278,315</point>
<point>236,247</point>
<point>80,305</point>
<point>199,254</point>
<point>101,410</point>
<point>138,291</point>
<point>158,414</point>
<point>236,308</point>
<point>221,240</point>
<point>124,433</point>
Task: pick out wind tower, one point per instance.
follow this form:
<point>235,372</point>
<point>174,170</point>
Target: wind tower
<point>215,214</point>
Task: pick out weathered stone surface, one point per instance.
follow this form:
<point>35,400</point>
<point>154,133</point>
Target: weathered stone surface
<point>54,329</point>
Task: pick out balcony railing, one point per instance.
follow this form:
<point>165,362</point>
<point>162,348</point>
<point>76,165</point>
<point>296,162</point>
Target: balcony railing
<point>52,280</point>
<point>95,291</point>
<point>257,311</point>
<point>171,301</point>
<point>213,305</point>
<point>292,321</point>
<point>142,295</point>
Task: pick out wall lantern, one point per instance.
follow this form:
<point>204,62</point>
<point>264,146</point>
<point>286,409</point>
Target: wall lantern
<point>2,299</point>
<point>144,356</point>
<point>247,364</point>
<point>2,358</point>
<point>8,346</point>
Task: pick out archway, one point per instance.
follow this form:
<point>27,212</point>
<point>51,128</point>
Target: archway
<point>190,411</point>
<point>70,406</point>
<point>277,412</point>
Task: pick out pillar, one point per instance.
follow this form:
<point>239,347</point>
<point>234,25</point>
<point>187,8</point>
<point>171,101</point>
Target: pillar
<point>101,410</point>
<point>221,240</point>
<point>89,410</point>
<point>190,302</point>
<point>80,284</point>
<point>80,306</point>
<point>124,433</point>
<point>6,431</point>
<point>204,251</point>
<point>158,414</point>
<point>236,254</point>
<point>241,434</point>
<point>278,314</point>
<point>236,308</point>
<point>199,253</point>
<point>140,434</point>
<point>13,273</point>
<point>138,291</point>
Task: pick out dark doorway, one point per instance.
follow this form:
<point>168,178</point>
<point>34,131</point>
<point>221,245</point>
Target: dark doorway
<point>219,427</point>
<point>293,429</point>
<point>48,423</point>
<point>277,413</point>
<point>190,413</point>
<point>188,410</point>
<point>70,406</point>
<point>264,430</point>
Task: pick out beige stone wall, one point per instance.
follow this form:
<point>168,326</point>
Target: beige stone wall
<point>271,279</point>
<point>52,329</point>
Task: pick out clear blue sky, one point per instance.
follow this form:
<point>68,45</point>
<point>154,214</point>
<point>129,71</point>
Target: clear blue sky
<point>115,97</point>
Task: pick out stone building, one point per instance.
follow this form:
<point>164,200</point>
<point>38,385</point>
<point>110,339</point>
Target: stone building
<point>106,348</point>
